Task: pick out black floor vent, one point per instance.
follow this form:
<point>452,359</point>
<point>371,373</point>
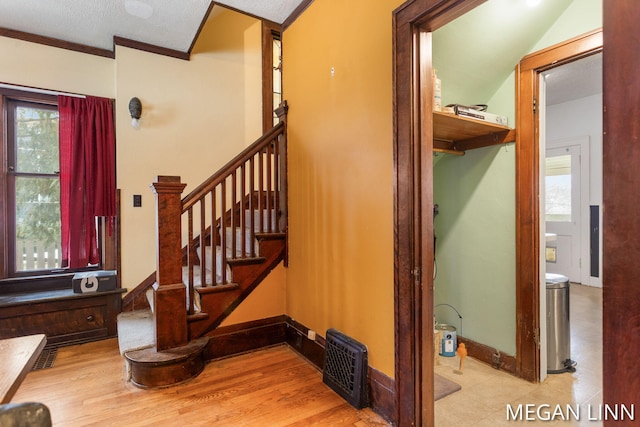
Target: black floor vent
<point>345,368</point>
<point>46,359</point>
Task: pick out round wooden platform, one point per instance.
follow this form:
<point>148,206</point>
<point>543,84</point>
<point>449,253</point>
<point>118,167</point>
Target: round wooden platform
<point>153,369</point>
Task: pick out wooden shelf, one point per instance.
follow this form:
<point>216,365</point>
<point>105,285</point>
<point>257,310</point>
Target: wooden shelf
<point>454,134</point>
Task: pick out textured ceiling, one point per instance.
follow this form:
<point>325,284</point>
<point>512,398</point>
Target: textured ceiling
<point>574,80</point>
<point>171,24</point>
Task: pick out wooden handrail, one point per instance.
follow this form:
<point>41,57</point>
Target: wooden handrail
<point>201,190</point>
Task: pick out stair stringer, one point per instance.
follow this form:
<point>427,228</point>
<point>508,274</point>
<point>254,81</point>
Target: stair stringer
<point>218,302</point>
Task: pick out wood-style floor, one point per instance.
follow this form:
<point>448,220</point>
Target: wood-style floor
<point>271,387</point>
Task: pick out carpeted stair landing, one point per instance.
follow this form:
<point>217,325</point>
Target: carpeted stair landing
<point>136,330</point>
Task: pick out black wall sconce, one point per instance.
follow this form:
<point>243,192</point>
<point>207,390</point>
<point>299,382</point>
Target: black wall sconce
<point>135,109</point>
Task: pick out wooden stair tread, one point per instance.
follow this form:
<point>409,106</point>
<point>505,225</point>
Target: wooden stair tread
<point>170,356</point>
<point>196,317</point>
<point>217,288</point>
<point>246,261</point>
<point>270,236</point>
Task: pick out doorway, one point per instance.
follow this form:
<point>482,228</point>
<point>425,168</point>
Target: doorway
<point>571,189</point>
<point>620,156</point>
<point>413,23</point>
<point>572,114</point>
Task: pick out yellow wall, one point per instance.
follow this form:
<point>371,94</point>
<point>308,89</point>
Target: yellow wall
<point>193,121</point>
<point>34,65</point>
<point>197,115</point>
<point>340,134</point>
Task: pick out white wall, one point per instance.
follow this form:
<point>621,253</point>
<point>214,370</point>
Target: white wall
<point>581,117</point>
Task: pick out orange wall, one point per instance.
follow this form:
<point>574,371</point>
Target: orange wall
<point>340,271</point>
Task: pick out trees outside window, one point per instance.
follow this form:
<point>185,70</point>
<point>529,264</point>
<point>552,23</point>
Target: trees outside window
<point>33,186</point>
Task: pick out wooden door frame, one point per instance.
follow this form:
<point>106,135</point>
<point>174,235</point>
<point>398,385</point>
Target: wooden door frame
<point>413,200</point>
<point>528,273</point>
<point>621,216</point>
<point>413,203</point>
<point>621,228</point>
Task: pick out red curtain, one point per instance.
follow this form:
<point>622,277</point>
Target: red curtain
<point>87,175</point>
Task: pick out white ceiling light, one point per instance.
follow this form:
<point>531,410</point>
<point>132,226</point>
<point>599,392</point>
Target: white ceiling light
<point>533,3</point>
<point>138,9</point>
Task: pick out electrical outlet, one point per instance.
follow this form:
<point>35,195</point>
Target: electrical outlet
<point>311,335</point>
<point>495,359</point>
<point>137,200</point>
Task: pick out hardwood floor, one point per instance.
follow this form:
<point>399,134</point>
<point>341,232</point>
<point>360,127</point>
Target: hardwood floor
<point>271,387</point>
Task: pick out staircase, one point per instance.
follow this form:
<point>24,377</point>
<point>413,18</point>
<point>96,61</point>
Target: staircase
<point>236,228</point>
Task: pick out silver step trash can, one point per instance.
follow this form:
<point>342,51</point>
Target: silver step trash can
<point>558,332</point>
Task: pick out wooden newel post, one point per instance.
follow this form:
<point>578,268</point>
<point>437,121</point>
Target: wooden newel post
<point>281,112</point>
<point>170,298</point>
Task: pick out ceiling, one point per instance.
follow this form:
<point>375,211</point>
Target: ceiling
<point>475,54</point>
<point>168,24</point>
<point>507,29</point>
<point>574,80</point>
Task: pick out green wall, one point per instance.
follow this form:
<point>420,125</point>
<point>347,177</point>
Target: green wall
<point>475,229</point>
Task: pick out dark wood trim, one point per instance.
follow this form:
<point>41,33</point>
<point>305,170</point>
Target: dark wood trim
<point>110,239</point>
<point>136,299</point>
<point>268,32</point>
<point>120,41</point>
<point>382,396</point>
<point>528,191</point>
<point>484,353</point>
<point>621,180</point>
<point>413,202</point>
<point>232,340</point>
<point>202,24</point>
<point>4,257</point>
<point>304,4</point>
<point>312,350</point>
<point>146,47</point>
<point>49,41</point>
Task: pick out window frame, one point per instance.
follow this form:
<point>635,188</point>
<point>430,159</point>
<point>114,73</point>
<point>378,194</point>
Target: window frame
<point>11,179</point>
<point>106,244</point>
<point>270,32</point>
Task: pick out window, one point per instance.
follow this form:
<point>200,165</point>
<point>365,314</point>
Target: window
<point>271,74</point>
<point>277,75</point>
<point>33,187</point>
<point>558,188</point>
<point>30,214</point>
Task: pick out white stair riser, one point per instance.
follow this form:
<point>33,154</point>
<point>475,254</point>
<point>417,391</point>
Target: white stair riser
<point>265,220</point>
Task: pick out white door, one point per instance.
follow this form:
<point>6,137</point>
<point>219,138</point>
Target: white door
<point>563,211</point>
